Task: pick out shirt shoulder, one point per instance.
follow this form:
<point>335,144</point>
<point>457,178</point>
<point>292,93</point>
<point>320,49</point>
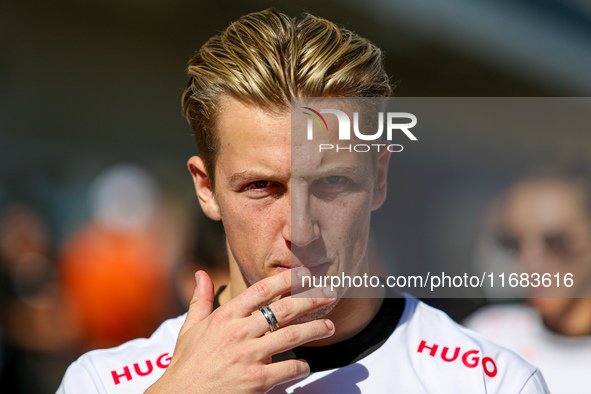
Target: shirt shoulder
<point>441,347</point>
<point>131,367</point>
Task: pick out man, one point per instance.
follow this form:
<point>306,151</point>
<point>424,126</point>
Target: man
<point>289,212</point>
<point>545,223</point>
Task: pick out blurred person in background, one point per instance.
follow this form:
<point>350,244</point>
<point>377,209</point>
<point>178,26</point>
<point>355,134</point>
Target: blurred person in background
<point>544,222</point>
<point>37,339</point>
<point>116,267</point>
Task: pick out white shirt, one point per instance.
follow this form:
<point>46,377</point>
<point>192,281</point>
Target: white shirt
<point>564,361</point>
<point>427,353</point>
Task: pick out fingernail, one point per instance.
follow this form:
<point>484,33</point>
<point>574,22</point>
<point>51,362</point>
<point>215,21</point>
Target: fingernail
<point>329,292</point>
<point>303,271</point>
<point>196,278</point>
<point>329,325</point>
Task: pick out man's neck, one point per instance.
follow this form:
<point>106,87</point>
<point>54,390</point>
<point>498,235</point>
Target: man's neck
<point>350,316</point>
<point>575,319</point>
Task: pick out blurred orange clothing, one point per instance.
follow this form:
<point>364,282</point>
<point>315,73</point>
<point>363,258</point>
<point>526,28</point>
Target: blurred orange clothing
<point>115,283</point>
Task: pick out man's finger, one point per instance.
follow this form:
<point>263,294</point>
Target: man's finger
<point>288,308</point>
<point>265,290</point>
<point>285,371</point>
<point>293,336</point>
<point>201,304</point>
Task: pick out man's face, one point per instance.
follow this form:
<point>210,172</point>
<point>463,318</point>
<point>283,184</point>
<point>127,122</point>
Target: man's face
<point>276,197</point>
<point>550,231</point>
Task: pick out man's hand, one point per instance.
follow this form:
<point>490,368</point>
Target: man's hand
<point>228,350</point>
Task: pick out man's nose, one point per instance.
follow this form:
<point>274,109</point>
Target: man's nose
<point>303,229</point>
<point>531,254</point>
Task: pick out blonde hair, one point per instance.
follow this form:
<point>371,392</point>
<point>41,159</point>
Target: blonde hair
<point>266,58</point>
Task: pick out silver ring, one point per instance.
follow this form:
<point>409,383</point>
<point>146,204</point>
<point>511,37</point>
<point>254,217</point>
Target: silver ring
<point>270,317</point>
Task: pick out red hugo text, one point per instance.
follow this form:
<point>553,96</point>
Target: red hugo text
<point>141,369</point>
<point>469,358</point>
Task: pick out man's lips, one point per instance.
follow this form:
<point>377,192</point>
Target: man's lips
<point>312,267</point>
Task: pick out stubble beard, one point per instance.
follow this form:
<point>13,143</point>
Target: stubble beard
<point>317,314</point>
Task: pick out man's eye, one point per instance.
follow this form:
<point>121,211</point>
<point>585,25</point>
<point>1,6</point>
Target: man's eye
<point>333,180</point>
<point>263,189</point>
<point>260,184</point>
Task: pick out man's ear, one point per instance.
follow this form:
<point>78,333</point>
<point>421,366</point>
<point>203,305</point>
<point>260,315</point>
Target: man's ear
<point>203,188</point>
<point>381,180</point>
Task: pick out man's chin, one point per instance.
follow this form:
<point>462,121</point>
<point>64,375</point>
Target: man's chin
<point>315,315</point>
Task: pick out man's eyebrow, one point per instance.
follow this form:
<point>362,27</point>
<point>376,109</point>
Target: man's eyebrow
<point>341,170</point>
<point>248,175</point>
